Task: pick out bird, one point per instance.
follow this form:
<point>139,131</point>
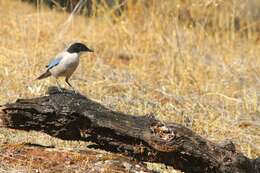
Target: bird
<point>65,63</point>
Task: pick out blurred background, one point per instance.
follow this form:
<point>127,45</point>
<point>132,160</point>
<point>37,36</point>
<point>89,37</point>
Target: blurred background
<point>194,62</point>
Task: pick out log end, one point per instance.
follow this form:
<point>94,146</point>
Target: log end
<point>2,116</point>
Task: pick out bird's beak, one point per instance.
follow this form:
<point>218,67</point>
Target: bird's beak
<point>90,50</point>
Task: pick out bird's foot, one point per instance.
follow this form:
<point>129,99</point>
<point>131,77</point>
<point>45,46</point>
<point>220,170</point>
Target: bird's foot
<point>54,90</point>
<point>76,92</point>
<point>60,90</point>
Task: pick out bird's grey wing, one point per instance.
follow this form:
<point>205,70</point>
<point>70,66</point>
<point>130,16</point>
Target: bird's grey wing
<point>54,62</point>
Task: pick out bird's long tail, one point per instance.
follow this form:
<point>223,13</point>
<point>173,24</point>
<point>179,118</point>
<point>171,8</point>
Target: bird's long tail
<point>44,75</point>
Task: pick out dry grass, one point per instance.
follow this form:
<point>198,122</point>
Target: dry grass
<point>205,76</point>
<point>31,159</point>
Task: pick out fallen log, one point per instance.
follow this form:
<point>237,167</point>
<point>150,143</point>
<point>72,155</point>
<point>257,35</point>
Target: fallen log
<point>72,116</point>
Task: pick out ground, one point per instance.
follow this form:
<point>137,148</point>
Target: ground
<point>205,77</point>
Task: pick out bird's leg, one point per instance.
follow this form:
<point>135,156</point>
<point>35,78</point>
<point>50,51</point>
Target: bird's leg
<point>67,81</point>
<point>59,87</point>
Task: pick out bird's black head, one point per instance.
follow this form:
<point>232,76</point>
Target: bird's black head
<point>78,47</point>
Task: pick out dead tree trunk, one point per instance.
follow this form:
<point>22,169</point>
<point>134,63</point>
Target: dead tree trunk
<point>67,116</point>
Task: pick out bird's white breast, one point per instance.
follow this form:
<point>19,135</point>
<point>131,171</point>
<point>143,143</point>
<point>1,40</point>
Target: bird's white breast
<point>67,65</point>
<point>70,60</point>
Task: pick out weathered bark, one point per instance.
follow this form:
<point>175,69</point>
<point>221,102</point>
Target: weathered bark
<point>75,117</point>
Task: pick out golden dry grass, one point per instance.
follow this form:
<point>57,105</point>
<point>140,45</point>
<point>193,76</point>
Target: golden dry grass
<point>146,61</point>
